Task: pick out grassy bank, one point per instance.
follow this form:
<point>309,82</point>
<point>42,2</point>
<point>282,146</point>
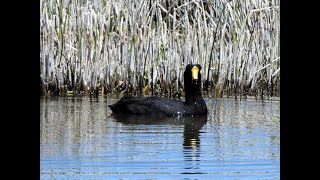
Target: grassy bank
<point>142,47</point>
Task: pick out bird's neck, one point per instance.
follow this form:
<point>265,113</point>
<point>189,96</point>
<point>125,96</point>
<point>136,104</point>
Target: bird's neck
<point>193,96</point>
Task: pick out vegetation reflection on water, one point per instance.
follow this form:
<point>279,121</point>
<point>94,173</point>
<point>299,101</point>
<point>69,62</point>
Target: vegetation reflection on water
<point>80,139</point>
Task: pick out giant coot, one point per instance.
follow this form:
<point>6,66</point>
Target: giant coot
<point>193,105</point>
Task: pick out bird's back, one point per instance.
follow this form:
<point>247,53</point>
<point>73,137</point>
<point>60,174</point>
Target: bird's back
<point>147,105</point>
<point>156,106</point>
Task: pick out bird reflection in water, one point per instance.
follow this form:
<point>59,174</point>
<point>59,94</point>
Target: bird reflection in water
<point>191,144</point>
<point>191,132</point>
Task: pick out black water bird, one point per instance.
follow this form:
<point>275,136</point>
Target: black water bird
<point>193,105</point>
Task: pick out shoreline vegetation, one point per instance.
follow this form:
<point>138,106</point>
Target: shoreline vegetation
<point>100,47</point>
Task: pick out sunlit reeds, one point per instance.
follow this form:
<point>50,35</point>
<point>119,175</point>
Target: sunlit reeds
<point>142,47</point>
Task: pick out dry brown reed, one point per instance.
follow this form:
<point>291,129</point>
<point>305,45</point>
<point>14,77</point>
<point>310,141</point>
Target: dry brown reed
<point>142,47</point>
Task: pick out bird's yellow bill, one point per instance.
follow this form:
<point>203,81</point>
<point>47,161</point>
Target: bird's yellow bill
<point>194,72</point>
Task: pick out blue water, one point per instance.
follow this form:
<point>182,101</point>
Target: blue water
<point>79,139</point>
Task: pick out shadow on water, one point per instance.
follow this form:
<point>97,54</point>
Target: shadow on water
<point>191,132</point>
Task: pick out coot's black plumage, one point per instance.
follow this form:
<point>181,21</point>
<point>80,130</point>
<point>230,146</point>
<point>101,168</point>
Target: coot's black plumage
<point>193,105</point>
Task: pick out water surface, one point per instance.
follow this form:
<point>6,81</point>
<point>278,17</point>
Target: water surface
<point>79,139</point>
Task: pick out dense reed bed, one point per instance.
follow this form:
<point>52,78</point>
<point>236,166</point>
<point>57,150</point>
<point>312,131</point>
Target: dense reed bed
<point>142,47</point>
